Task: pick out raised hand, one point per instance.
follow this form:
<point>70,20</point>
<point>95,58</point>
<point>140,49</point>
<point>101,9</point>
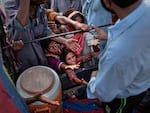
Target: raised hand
<point>72,44</point>
<point>76,66</point>
<point>95,42</point>
<point>101,34</point>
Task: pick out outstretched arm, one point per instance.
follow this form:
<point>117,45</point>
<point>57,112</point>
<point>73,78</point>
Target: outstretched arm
<point>53,16</point>
<point>79,81</point>
<point>39,97</point>
<point>69,43</point>
<point>75,66</point>
<point>64,66</point>
<point>32,99</point>
<point>77,25</point>
<point>23,12</point>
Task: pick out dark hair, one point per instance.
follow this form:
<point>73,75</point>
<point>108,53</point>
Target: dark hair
<point>64,53</point>
<point>67,12</point>
<point>78,15</point>
<point>107,9</point>
<point>124,3</point>
<point>45,43</point>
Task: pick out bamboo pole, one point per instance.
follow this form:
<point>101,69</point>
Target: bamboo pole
<point>57,35</point>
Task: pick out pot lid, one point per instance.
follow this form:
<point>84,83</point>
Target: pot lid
<point>37,79</point>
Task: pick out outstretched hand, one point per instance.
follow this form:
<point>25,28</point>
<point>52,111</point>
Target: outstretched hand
<point>101,34</point>
<point>76,66</point>
<point>72,44</point>
<point>95,42</point>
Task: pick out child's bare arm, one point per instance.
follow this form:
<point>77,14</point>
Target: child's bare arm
<point>64,66</point>
<point>76,66</point>
<point>80,81</point>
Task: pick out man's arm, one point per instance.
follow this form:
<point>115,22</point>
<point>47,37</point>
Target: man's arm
<point>23,12</point>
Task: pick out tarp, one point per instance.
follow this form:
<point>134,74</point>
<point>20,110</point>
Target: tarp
<point>81,106</point>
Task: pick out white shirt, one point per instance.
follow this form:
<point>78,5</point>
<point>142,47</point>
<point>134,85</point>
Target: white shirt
<point>124,66</point>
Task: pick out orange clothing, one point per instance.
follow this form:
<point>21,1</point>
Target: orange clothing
<point>51,14</point>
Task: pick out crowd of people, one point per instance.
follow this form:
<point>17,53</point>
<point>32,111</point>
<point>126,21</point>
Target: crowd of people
<point>121,81</point>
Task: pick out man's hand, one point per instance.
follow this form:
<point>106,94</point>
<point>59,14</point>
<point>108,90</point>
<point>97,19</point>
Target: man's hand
<point>17,45</point>
<point>101,34</point>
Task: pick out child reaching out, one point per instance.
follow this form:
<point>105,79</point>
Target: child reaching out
<point>52,50</point>
<point>86,40</point>
<point>70,58</point>
<point>53,53</point>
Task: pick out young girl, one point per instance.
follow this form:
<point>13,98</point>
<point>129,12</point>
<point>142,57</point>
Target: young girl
<point>85,39</point>
<point>53,53</point>
<point>52,50</point>
<point>70,58</point>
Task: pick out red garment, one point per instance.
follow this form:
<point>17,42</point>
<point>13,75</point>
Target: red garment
<point>6,103</point>
<point>81,41</point>
<point>78,36</point>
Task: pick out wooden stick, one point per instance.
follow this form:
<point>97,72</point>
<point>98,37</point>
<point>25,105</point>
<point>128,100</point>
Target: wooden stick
<point>63,34</point>
<point>57,35</point>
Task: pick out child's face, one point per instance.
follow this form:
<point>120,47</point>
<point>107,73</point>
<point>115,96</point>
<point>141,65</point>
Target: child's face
<point>71,58</point>
<point>54,48</point>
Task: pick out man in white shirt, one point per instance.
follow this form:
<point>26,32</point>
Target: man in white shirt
<point>124,65</point>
